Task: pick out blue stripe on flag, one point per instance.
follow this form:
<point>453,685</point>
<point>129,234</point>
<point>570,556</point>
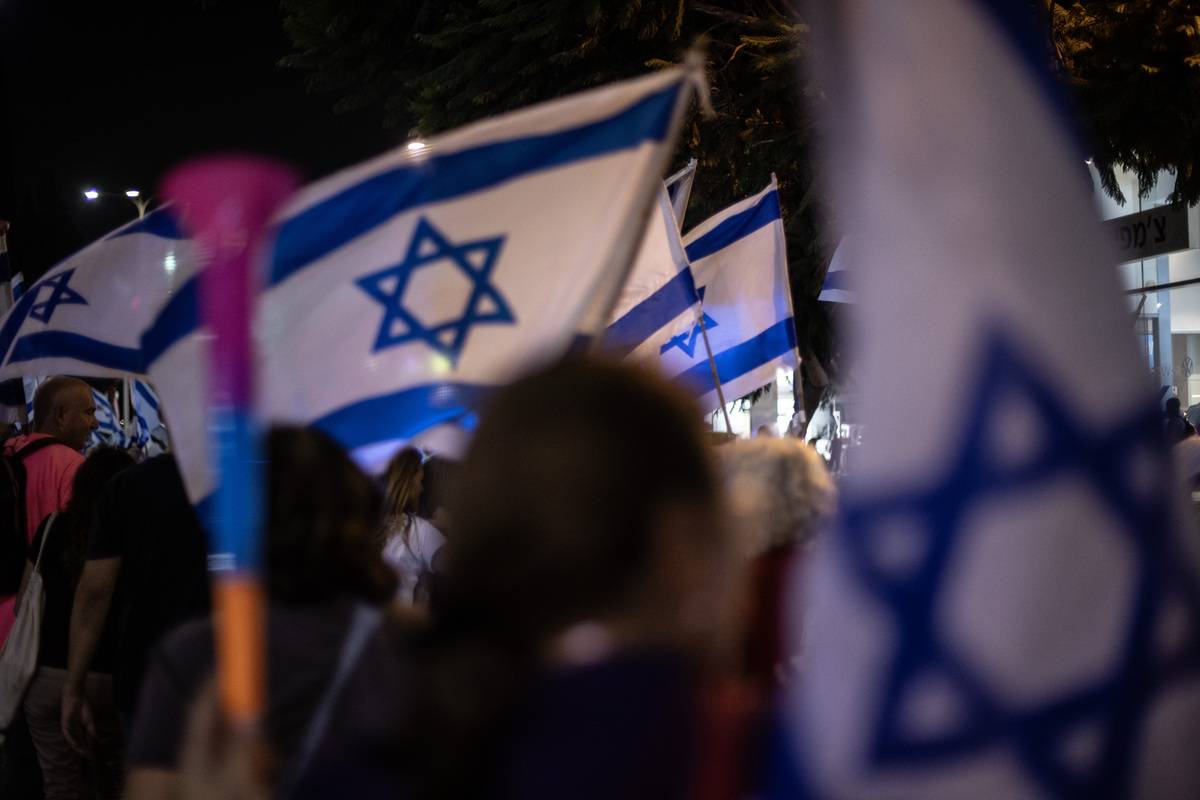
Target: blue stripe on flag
<point>739,226</point>
<point>146,394</point>
<point>66,344</point>
<point>178,318</point>
<point>352,212</point>
<point>14,321</point>
<point>837,280</point>
<point>157,223</point>
<point>640,322</point>
<point>401,414</point>
<point>736,361</point>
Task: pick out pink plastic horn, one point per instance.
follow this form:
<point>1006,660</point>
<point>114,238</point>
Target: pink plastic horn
<point>226,203</point>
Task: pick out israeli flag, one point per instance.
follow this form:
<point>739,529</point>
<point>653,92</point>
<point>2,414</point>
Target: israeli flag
<point>1007,607</point>
<point>150,431</point>
<point>679,190</point>
<point>836,286</point>
<point>29,384</point>
<point>739,266</point>
<point>18,285</point>
<point>402,290</point>
<point>110,433</point>
<point>88,314</point>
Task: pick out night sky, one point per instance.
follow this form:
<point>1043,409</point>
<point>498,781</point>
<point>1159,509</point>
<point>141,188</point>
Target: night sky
<point>114,94</point>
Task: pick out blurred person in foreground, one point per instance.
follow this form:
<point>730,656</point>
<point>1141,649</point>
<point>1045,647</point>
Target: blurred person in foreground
<point>780,493</point>
<point>61,541</point>
<point>587,617</point>
<point>324,579</point>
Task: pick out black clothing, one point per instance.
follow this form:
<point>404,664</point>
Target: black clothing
<point>59,581</point>
<point>303,646</point>
<point>144,518</point>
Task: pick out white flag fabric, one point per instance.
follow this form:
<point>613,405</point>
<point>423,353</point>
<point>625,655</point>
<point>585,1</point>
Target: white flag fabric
<point>1004,609</point>
<point>401,290</point>
<point>87,315</point>
<point>739,264</point>
<point>679,190</point>
<point>836,287</point>
<point>150,431</point>
<point>733,271</point>
<point>659,298</point>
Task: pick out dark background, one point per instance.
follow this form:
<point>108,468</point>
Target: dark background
<point>113,94</point>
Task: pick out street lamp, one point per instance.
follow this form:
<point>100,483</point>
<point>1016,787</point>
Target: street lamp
<point>134,196</point>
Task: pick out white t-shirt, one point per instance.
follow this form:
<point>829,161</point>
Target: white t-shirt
<point>414,559</point>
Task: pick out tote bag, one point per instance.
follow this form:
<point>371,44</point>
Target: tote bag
<point>19,656</point>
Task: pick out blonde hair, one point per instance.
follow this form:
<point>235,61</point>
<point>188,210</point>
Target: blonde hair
<point>778,489</point>
<point>402,493</point>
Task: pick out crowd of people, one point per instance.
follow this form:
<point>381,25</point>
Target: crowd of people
<point>587,605</point>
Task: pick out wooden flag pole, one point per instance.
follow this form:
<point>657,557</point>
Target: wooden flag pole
<point>712,364</point>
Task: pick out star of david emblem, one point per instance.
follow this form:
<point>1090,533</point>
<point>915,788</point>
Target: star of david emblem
<point>686,341</point>
<point>447,335</point>
<point>1036,734</point>
<point>60,295</point>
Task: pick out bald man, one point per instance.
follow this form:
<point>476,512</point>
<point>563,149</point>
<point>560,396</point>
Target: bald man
<point>65,414</point>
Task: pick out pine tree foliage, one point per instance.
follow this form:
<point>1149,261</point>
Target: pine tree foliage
<point>1134,67</point>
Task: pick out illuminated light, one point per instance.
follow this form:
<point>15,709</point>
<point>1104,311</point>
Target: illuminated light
<point>1088,161</point>
<point>91,194</point>
<point>1158,306</point>
<point>169,262</point>
<point>133,193</point>
<point>416,146</point>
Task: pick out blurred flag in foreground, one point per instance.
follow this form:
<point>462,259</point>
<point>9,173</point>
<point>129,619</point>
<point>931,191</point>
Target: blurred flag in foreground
<point>836,286</point>
<point>1005,609</point>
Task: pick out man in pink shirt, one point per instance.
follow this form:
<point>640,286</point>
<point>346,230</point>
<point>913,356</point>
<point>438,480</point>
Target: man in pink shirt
<point>63,409</point>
